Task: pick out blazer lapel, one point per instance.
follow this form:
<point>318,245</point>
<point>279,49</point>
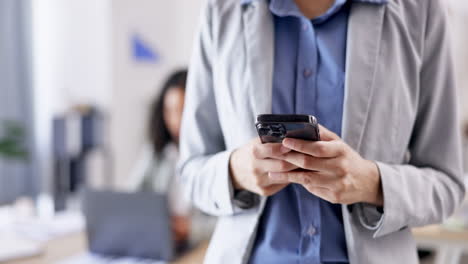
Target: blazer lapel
<point>364,37</point>
<point>363,45</point>
<point>259,43</point>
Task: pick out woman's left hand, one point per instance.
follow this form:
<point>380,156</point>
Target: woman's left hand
<point>332,170</point>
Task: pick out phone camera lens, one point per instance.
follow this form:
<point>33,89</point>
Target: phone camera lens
<point>278,131</point>
<point>263,130</point>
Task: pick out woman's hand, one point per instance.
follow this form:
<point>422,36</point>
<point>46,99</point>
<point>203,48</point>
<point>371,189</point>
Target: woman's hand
<point>250,165</point>
<point>331,170</point>
<point>180,228</point>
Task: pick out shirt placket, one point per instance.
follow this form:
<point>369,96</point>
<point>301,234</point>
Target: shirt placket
<point>307,66</point>
<point>309,208</point>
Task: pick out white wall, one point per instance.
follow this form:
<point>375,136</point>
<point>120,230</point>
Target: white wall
<point>72,63</point>
<point>82,54</point>
<point>72,49</point>
<point>168,26</point>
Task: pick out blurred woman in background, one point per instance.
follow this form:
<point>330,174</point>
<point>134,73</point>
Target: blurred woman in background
<point>155,170</point>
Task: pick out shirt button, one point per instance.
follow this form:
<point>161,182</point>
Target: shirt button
<point>307,73</point>
<point>311,231</point>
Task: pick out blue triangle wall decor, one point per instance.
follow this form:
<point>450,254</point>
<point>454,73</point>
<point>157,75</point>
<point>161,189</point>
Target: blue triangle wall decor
<point>142,51</point>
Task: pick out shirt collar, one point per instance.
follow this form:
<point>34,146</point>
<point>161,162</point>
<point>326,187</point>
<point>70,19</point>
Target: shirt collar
<point>284,8</point>
<point>289,8</point>
<point>245,2</point>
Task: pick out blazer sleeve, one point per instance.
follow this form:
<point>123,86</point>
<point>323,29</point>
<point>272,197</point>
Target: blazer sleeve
<point>430,187</point>
<point>204,161</point>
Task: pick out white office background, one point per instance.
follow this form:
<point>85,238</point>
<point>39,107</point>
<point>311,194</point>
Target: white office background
<point>82,54</point>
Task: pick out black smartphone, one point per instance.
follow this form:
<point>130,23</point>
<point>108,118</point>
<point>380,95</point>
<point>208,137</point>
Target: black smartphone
<point>274,128</point>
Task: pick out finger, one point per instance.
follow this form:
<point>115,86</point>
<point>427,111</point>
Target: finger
<point>309,162</point>
<point>320,149</point>
<point>326,134</point>
<point>306,178</point>
<point>272,189</point>
<point>324,193</point>
<point>275,165</point>
<point>269,150</point>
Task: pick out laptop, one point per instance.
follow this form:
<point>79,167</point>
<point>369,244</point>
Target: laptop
<point>135,225</point>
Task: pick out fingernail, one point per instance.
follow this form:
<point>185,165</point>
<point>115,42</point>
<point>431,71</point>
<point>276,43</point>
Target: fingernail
<point>274,175</point>
<point>284,149</point>
<point>287,142</point>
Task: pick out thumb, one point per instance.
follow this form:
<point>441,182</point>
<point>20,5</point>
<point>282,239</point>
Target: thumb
<point>327,135</point>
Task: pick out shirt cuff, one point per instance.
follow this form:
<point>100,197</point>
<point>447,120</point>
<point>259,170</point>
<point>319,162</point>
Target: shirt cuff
<point>235,208</point>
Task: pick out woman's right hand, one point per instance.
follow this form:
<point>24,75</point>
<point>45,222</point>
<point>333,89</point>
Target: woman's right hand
<point>251,164</point>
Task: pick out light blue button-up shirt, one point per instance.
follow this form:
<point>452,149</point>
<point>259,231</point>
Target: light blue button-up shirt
<point>309,74</point>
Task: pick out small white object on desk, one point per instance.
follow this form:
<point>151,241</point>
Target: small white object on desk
<point>43,230</point>
<point>13,246</point>
<point>89,258</point>
<point>24,235</point>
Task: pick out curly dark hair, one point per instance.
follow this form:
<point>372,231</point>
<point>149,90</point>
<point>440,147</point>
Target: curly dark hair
<point>159,135</point>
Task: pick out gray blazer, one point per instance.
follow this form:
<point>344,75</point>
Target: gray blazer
<point>400,110</point>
